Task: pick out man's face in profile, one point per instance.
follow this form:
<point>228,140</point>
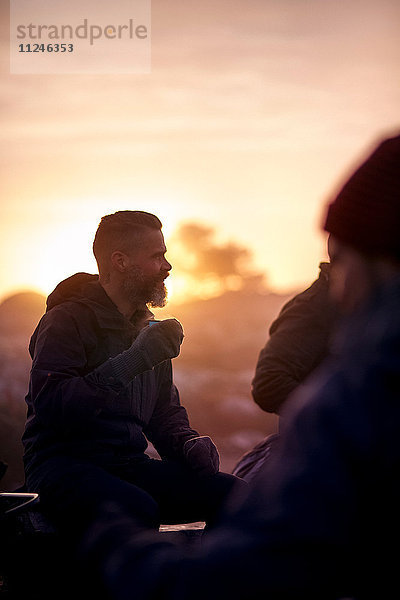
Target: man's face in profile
<point>144,281</point>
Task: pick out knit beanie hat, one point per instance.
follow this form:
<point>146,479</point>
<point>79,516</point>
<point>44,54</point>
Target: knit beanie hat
<point>366,212</point>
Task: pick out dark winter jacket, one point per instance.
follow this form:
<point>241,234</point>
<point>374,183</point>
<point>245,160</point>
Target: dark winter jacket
<point>76,404</point>
<point>322,518</point>
<point>298,343</point>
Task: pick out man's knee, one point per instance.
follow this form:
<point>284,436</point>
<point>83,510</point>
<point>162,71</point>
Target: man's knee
<point>72,494</point>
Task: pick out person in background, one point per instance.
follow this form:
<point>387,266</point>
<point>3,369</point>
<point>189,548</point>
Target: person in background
<point>321,519</point>
<point>101,385</point>
<point>298,342</point>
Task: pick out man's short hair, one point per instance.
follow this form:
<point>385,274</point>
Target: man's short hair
<point>122,231</point>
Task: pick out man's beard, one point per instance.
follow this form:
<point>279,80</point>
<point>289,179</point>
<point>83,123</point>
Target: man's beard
<point>147,290</point>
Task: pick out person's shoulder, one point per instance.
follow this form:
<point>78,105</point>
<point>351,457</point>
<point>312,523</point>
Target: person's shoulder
<point>68,308</point>
<point>68,314</point>
<point>317,290</point>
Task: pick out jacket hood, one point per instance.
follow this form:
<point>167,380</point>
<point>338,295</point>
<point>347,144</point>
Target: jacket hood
<point>83,288</point>
<point>72,288</point>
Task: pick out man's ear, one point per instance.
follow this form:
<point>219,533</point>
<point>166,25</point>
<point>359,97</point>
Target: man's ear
<point>120,261</point>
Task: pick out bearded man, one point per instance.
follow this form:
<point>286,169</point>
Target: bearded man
<point>101,386</point>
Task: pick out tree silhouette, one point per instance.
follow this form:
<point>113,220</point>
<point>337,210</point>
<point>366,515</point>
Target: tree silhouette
<point>194,252</point>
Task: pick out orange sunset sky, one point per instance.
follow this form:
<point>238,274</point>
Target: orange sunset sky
<point>252,114</point>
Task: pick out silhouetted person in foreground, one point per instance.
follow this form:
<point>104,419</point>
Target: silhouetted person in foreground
<point>101,386</point>
<point>321,520</point>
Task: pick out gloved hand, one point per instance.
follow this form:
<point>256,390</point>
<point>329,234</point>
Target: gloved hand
<point>201,455</point>
<point>153,345</point>
<point>160,341</point>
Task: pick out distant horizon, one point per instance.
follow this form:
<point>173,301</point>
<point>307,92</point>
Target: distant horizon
<point>267,291</point>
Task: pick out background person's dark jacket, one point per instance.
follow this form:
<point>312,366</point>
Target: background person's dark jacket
<point>76,405</point>
<point>321,520</point>
<point>298,342</point>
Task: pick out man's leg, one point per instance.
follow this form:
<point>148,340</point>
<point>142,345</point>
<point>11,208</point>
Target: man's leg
<point>181,494</point>
<point>71,493</point>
